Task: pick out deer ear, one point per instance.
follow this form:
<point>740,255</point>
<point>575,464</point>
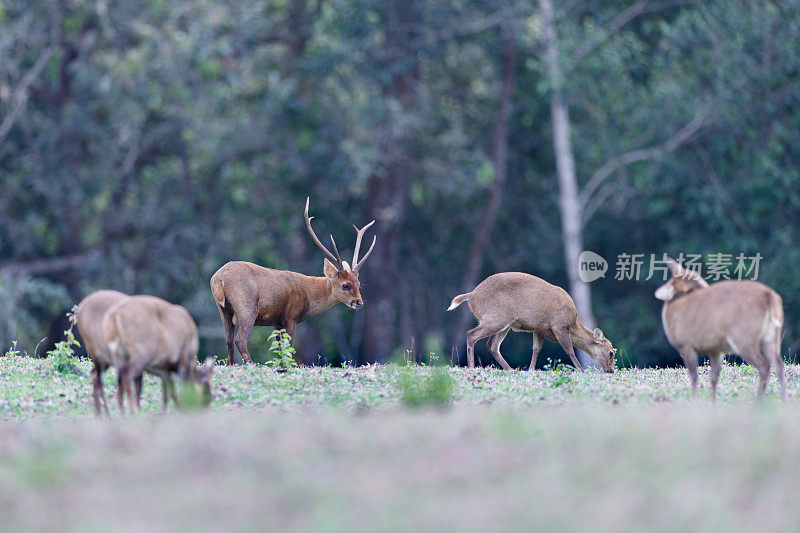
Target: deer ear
<point>598,335</point>
<point>329,269</point>
<point>674,268</point>
<point>346,266</point>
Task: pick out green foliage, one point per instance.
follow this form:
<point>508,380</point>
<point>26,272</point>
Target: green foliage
<point>27,305</point>
<point>421,387</point>
<point>181,137</point>
<point>282,351</point>
<point>62,358</point>
<point>12,351</point>
<point>191,396</point>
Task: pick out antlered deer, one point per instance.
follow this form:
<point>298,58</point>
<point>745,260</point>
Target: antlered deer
<point>733,316</point>
<point>89,319</point>
<point>249,295</point>
<point>522,302</point>
<point>145,333</point>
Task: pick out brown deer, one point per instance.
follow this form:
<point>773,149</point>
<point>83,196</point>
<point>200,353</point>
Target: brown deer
<point>145,333</point>
<point>732,316</point>
<point>89,319</point>
<point>249,295</point>
<point>522,302</point>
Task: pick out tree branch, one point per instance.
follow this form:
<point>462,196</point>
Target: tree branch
<point>616,23</point>
<point>20,98</point>
<point>50,265</point>
<point>639,7</point>
<point>681,137</point>
<point>492,20</point>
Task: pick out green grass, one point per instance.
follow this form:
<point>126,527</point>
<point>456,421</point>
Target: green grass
<point>32,388</point>
<point>331,449</point>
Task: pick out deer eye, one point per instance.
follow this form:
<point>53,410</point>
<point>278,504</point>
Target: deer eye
<point>346,287</point>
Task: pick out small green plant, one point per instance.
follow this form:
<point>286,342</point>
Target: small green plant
<point>62,357</point>
<point>418,389</point>
<point>190,396</point>
<point>282,351</point>
<point>564,375</point>
<point>12,352</point>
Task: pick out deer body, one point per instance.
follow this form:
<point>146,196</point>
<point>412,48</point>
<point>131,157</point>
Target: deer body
<point>734,316</point>
<point>522,302</point>
<point>249,295</point>
<point>145,333</point>
<point>89,320</point>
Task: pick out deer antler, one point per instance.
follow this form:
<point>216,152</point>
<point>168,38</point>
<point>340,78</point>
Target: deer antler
<point>356,263</point>
<point>335,259</point>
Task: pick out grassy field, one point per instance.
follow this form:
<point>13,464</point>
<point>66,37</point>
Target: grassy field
<point>324,449</point>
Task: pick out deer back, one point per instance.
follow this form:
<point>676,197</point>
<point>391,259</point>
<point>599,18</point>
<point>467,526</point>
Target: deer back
<point>726,316</point>
<point>89,321</point>
<point>530,302</point>
<point>152,332</point>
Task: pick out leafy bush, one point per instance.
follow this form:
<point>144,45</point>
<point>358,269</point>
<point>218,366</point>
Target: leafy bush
<point>418,389</point>
<point>62,357</point>
<point>27,307</point>
<point>282,350</point>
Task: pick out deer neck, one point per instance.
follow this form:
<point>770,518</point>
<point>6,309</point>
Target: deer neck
<point>582,337</point>
<point>319,294</point>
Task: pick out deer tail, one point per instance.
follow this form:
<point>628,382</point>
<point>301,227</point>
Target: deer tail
<point>458,300</point>
<point>773,324</point>
<point>218,290</point>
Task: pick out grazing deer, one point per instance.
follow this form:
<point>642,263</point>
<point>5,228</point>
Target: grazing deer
<point>89,319</point>
<point>732,316</point>
<point>145,333</point>
<point>522,302</point>
<point>249,295</point>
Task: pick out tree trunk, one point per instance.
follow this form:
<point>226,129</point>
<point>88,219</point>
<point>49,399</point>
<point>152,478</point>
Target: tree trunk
<point>569,205</point>
<point>488,218</point>
<point>387,190</point>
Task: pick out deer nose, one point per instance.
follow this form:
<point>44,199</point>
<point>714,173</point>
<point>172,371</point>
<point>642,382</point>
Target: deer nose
<point>609,371</point>
<point>357,303</point>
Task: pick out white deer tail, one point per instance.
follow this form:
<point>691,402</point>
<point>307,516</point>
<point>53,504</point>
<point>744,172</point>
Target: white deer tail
<point>458,300</point>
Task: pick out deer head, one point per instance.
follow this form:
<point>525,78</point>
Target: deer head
<point>682,282</point>
<point>201,376</point>
<point>601,350</point>
<point>342,279</point>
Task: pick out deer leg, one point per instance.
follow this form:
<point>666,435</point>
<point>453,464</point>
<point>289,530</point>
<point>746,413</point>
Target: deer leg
<point>121,391</point>
<point>690,360</point>
<point>537,347</point>
<point>133,399</point>
<point>781,375</point>
<point>757,359</point>
<point>494,343</point>
<point>103,390</point>
<point>173,391</point>
<point>562,336</point>
<point>290,326</point>
<point>243,335</point>
<point>97,388</point>
<point>716,367</point>
<point>778,362</point>
<point>227,323</point>
<point>772,352</point>
<point>138,383</point>
<point>482,330</point>
<point>165,381</point>
<point>125,389</point>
